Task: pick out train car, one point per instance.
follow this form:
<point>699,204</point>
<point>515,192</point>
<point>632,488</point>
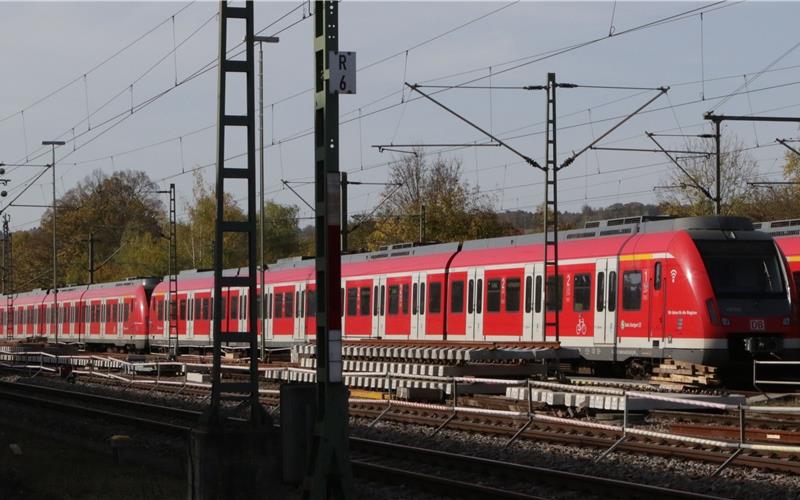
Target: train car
<point>787,236</point>
<point>108,313</point>
<point>703,289</point>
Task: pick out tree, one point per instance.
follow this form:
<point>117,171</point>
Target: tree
<point>196,237</point>
<point>429,200</point>
<point>281,234</point>
<point>108,206</point>
<point>684,197</point>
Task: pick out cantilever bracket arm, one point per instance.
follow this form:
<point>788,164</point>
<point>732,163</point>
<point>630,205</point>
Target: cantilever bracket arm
<point>286,183</point>
<point>694,184</point>
<point>530,161</point>
<point>571,159</point>
<point>784,142</point>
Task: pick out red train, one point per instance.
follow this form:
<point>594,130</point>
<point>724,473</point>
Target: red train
<point>702,289</point>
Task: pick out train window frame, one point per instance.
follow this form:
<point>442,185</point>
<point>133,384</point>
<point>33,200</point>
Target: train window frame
<point>631,292</point>
<point>311,303</point>
<point>404,298</point>
<point>364,299</point>
<point>585,291</point>
<point>352,301</point>
<point>278,305</point>
<point>657,276</point>
<point>394,300</point>
<point>555,288</point>
<point>612,291</point>
<point>471,296</point>
<point>234,307</point>
<point>414,292</point>
<point>422,299</point>
<point>457,296</point>
<point>494,294</point>
<point>600,292</point>
<point>288,305</point>
<point>512,294</point>
<point>528,293</point>
<point>479,297</point>
<point>435,297</point>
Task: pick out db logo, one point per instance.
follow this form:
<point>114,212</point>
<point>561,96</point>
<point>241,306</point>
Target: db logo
<point>757,325</point>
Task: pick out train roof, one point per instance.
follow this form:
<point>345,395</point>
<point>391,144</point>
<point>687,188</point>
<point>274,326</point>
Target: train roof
<point>778,228</point>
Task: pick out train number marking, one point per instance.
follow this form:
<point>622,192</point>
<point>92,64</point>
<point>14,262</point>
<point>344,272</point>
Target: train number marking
<point>757,325</point>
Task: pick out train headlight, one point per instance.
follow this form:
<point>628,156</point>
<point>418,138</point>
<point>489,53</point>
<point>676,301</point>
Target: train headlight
<point>787,321</point>
<point>726,322</point>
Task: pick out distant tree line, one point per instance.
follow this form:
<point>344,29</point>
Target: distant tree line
<point>428,201</point>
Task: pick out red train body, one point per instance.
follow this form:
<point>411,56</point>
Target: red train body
<point>704,289</point>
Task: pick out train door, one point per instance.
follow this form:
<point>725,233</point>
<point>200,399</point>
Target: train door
<point>418,282</point>
<point>267,308</point>
<point>378,305</point>
<point>113,317</point>
<point>605,306</point>
<point>300,312</point>
<point>474,326</point>
<point>398,312</point>
<point>190,314</point>
<point>657,303</point>
<point>120,318</point>
<point>532,319</point>
<point>311,311</point>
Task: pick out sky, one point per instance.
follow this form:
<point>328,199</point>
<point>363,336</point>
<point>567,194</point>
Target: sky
<point>123,84</point>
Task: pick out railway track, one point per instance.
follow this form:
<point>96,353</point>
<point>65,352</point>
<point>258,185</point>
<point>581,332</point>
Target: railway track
<point>556,432</point>
<point>445,473</point>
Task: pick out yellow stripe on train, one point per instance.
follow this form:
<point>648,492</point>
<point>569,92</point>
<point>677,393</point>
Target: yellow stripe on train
<point>636,256</point>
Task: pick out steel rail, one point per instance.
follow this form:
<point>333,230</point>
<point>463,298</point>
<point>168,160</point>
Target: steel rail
<point>522,472</point>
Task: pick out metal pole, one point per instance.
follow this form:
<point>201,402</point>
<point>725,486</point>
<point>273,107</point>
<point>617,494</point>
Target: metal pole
<point>53,145</point>
<point>343,183</point>
<point>261,274</point>
<point>91,258</point>
<point>718,192</point>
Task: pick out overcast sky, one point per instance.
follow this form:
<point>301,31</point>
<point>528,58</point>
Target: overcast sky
<point>47,46</point>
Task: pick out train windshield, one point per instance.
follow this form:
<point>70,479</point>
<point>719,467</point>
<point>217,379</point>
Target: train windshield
<point>743,269</point>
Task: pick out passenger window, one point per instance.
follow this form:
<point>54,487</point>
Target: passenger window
<point>657,276</point>
<point>422,298</point>
<point>160,308</point>
<point>457,297</point>
<point>198,306</point>
<point>414,299</point>
<point>278,305</point>
<point>631,290</point>
<point>298,302</point>
<point>612,291</point>
<point>311,305</point>
<point>435,298</point>
<point>383,299</point>
<point>394,299</point>
<point>493,296</point>
<point>471,297</point>
<point>364,306</point>
<point>553,295</point>
<point>205,308</point>
<point>235,307</point>
<point>538,296</point>
<point>600,295</point>
<point>582,299</point>
<point>303,304</point>
<point>512,294</point>
<point>269,306</point>
<point>352,304</point>
<point>528,293</point>
<point>404,298</point>
<point>479,299</point>
<point>183,308</point>
<point>288,305</point>
<point>375,300</point>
